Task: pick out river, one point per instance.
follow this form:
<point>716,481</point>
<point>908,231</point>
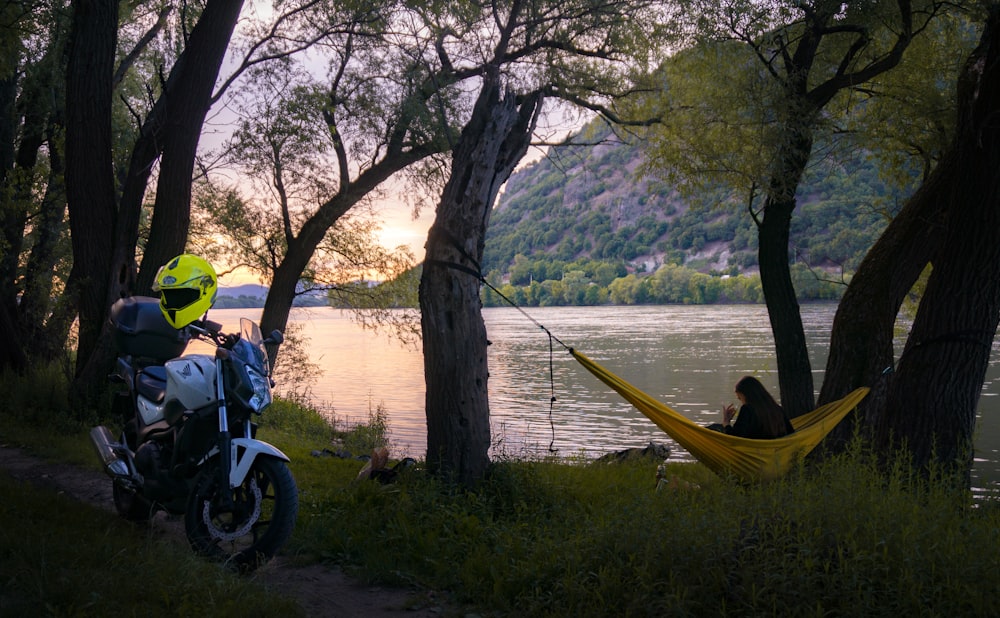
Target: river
<point>687,356</point>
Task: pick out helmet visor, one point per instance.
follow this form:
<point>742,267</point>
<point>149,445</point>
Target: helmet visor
<point>176,299</point>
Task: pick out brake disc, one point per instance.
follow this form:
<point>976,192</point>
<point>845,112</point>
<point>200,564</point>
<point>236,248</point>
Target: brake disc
<point>225,535</point>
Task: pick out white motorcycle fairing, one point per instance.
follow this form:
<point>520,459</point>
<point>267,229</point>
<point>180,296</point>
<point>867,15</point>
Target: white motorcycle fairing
<point>191,380</point>
<point>243,453</point>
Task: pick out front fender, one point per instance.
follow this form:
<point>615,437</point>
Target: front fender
<point>243,454</point>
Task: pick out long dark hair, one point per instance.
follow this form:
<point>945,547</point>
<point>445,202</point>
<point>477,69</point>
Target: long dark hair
<point>770,413</point>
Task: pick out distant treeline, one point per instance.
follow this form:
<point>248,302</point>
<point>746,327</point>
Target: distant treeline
<point>544,283</point>
<point>238,302</point>
<point>257,302</point>
<point>670,284</point>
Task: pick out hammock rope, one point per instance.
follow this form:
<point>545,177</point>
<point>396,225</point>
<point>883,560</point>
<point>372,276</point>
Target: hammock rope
<point>552,379</point>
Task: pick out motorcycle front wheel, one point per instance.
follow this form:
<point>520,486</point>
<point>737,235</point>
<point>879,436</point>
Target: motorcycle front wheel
<point>249,529</point>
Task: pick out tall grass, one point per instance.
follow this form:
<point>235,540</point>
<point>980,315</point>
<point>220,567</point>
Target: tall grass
<point>550,538</point>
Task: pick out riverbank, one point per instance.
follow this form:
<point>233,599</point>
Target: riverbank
<point>543,538</point>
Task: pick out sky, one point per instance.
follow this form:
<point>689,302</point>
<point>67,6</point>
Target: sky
<point>399,227</point>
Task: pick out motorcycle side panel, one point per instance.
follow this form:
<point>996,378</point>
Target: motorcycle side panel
<point>149,411</point>
<point>191,380</point>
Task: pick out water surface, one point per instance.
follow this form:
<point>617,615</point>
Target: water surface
<point>689,357</point>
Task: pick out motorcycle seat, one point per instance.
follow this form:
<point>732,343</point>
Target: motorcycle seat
<point>151,383</point>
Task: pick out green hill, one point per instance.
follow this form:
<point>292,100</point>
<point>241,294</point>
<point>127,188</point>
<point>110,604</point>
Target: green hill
<point>587,203</point>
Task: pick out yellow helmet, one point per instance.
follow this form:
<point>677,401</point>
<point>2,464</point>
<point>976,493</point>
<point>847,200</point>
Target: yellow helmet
<point>187,285</point>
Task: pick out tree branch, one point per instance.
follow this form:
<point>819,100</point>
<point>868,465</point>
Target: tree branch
<point>140,45</point>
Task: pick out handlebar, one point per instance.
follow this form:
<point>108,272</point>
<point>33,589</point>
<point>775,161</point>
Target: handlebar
<point>213,331</point>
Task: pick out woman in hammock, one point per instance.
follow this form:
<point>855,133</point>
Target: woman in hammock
<point>760,416</point>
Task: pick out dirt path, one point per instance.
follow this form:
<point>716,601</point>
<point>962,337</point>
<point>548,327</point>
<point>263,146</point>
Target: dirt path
<point>320,590</point>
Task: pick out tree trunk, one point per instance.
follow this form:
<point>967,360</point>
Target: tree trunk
<point>8,126</point>
<point>39,272</point>
<point>188,97</point>
<point>934,393</point>
<point>791,352</point>
<point>35,94</point>
<point>49,225</point>
<point>861,341</point>
<point>454,336</point>
<point>12,356</point>
<point>90,189</point>
<point>16,199</point>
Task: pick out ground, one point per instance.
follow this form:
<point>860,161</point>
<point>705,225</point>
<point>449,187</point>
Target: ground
<point>320,590</point>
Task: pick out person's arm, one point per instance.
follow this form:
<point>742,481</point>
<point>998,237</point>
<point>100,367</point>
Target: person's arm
<point>727,415</point>
<point>745,425</point>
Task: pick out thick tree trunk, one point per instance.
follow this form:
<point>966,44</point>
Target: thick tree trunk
<point>90,187</point>
<point>454,336</point>
<point>12,356</point>
<point>861,342</point>
<point>933,395</point>
<point>188,97</point>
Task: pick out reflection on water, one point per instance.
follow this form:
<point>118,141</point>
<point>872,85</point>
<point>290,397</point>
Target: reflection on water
<point>688,357</point>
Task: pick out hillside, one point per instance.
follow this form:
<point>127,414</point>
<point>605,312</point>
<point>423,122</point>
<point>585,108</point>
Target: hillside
<point>587,203</point>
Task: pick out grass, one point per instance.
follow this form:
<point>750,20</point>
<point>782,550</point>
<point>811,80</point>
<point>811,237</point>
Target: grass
<point>550,539</point>
<point>59,557</point>
<point>556,538</point>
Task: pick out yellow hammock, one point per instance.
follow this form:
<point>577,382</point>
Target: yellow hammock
<point>750,460</point>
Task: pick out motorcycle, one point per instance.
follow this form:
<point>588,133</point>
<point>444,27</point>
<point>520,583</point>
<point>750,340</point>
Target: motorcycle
<point>188,445</point>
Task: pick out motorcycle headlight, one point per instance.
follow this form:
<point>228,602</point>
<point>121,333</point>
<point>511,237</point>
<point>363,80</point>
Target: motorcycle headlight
<point>261,397</point>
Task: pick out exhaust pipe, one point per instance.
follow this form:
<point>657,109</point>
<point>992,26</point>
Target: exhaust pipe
<point>103,441</point>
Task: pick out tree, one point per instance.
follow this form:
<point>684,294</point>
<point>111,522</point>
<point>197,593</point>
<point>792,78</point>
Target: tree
<point>104,229</point>
<point>382,109</point>
<point>31,97</point>
<point>90,188</point>
<point>455,363</point>
<point>928,404</point>
<point>793,60</point>
<point>283,151</point>
<point>520,53</point>
<point>35,267</point>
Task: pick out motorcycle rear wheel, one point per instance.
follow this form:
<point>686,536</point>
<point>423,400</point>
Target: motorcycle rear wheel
<point>259,523</point>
